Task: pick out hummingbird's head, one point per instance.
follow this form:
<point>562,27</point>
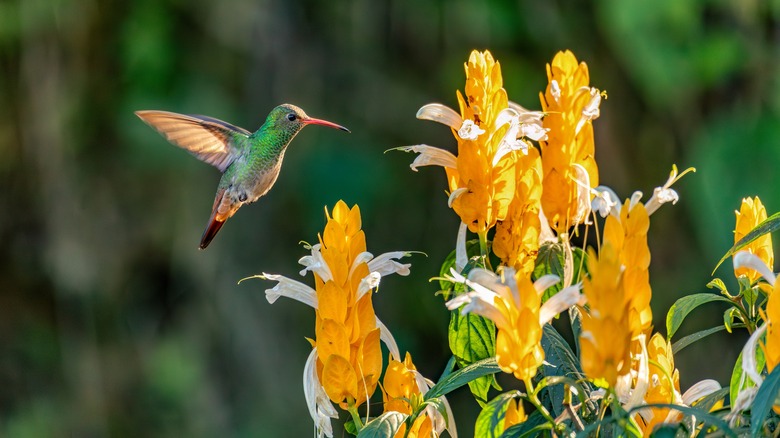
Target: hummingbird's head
<point>291,118</point>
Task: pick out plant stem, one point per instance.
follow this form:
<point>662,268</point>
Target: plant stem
<point>483,249</point>
<point>352,409</point>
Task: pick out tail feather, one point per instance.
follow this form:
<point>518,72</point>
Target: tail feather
<point>211,231</point>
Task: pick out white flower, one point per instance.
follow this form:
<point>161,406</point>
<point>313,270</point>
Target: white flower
<point>664,194</point>
<point>591,110</point>
<point>469,130</point>
<point>437,112</point>
<point>605,201</point>
<point>522,124</point>
<point>318,402</point>
<point>430,156</point>
<point>487,286</point>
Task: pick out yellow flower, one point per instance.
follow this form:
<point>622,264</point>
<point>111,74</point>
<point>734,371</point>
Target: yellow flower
<point>513,303</point>
<point>630,239</point>
<point>568,160</point>
<point>346,361</point>
<point>516,241</point>
<point>515,414</point>
<point>403,390</point>
<point>771,345</point>
<point>490,131</point>
<point>751,213</point>
<point>664,384</point>
<point>606,335</point>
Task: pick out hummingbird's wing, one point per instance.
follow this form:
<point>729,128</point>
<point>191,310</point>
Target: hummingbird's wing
<point>210,140</point>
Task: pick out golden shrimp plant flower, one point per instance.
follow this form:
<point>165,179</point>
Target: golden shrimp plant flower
<point>751,213</point>
<point>513,303</point>
<point>606,335</point>
<point>489,130</point>
<point>664,387</point>
<point>346,361</point>
<point>568,152</point>
<point>403,391</point>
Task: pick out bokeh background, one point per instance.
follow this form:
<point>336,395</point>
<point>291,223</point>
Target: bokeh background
<point>112,323</point>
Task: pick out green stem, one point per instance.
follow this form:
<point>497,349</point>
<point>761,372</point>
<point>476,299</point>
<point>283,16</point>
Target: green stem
<point>534,400</point>
<point>352,409</point>
<point>483,249</point>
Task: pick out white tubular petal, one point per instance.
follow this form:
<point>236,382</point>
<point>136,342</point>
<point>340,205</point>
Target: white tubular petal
<point>461,256</point>
<point>430,156</point>
<point>320,407</point>
<point>479,306</point>
<point>749,357</point>
<point>583,193</point>
<point>385,264</point>
<point>363,257</point>
<point>545,282</point>
<point>699,390</point>
<point>387,337</point>
<point>469,130</point>
<point>454,195</point>
<point>606,201</point>
<point>290,288</point>
<point>745,259</point>
<point>507,115</point>
<point>642,378</point>
<point>744,401</point>
<point>591,110</point>
<point>534,131</point>
<point>492,282</point>
<point>316,263</point>
<point>546,234</point>
<point>368,283</point>
<point>437,112</point>
<point>559,302</point>
<point>525,115</point>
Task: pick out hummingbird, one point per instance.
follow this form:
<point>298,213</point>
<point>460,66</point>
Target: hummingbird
<point>249,162</point>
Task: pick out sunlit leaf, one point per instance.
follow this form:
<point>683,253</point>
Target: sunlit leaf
<point>383,426</point>
<point>472,338</point>
<point>682,307</point>
<point>694,337</point>
<point>739,382</point>
<point>462,376</point>
<point>490,422</point>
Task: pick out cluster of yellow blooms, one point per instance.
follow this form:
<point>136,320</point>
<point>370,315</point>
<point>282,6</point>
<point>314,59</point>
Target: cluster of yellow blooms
<point>346,362</point>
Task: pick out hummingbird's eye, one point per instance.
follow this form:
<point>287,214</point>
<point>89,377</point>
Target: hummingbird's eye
<point>291,117</point>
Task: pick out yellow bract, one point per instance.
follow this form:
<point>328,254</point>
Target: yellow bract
<point>569,140</point>
<point>751,213</point>
<point>489,188</point>
<point>664,386</point>
<point>400,387</point>
<point>635,258</point>
<point>516,241</point>
<point>606,336</point>
<point>519,341</point>
<point>347,338</point>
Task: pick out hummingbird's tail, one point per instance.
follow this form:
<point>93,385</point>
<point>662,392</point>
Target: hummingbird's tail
<point>211,231</point>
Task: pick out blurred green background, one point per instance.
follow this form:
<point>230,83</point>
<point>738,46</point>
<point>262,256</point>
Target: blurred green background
<point>112,323</point>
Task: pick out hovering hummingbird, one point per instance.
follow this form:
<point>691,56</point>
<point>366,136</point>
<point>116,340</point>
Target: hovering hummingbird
<point>249,162</point>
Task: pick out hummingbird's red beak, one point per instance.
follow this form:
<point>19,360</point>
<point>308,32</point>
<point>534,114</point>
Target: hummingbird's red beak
<point>312,121</point>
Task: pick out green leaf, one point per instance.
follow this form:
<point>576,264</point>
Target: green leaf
<point>739,381</point>
<point>717,283</point>
<point>350,428</point>
<point>472,338</point>
<point>559,361</point>
<point>383,426</point>
<point>462,376</point>
<point>575,319</point>
<point>490,422</point>
<point>707,402</point>
<point>728,318</point>
<point>472,249</point>
<point>769,224</point>
<point>690,339</point>
<point>528,428</point>
<point>764,400</point>
<point>682,307</point>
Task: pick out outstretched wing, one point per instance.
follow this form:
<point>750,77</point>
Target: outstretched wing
<point>210,140</point>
